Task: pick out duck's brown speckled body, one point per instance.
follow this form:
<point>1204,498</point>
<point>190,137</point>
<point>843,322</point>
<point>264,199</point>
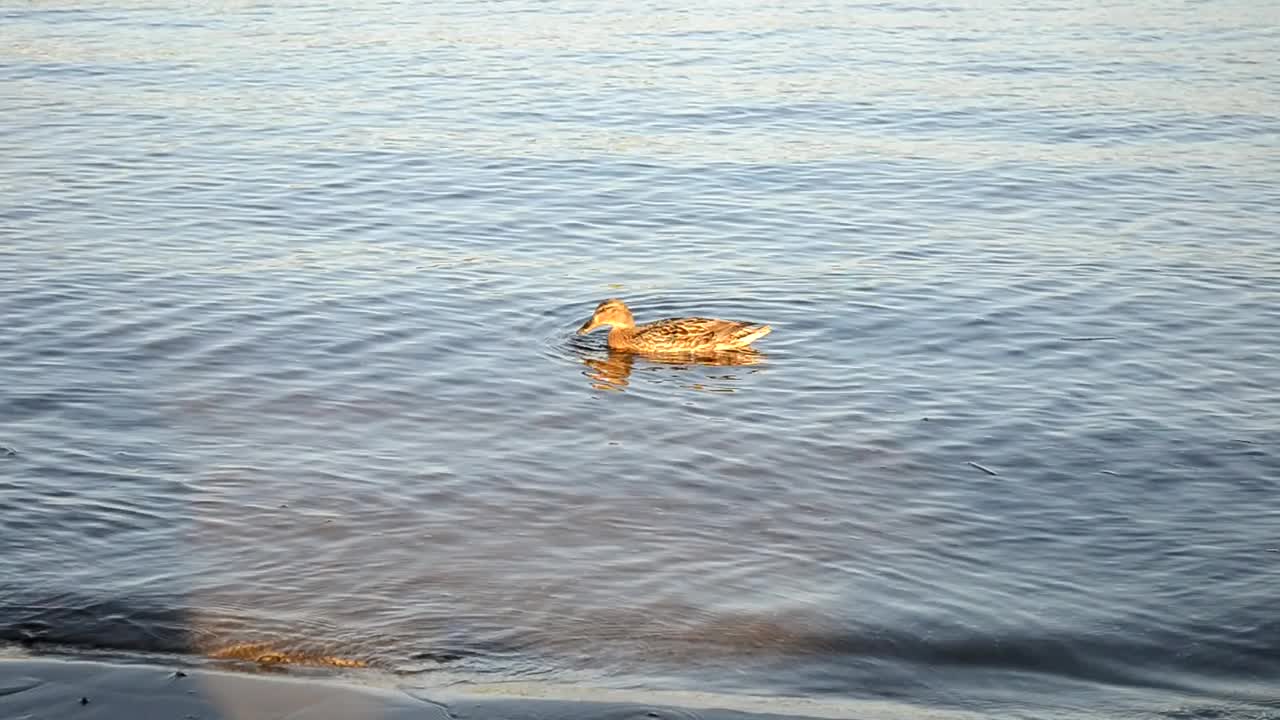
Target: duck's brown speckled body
<point>689,335</point>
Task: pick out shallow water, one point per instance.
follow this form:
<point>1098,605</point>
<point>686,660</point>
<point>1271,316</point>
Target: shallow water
<point>288,305</point>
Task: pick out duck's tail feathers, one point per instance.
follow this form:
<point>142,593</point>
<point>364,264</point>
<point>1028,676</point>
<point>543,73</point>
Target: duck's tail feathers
<point>747,335</point>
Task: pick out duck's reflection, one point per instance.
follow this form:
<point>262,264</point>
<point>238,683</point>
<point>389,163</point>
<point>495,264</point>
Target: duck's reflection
<point>613,372</point>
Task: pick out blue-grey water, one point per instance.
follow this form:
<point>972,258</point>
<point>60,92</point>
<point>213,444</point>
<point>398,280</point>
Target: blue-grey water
<point>287,301</point>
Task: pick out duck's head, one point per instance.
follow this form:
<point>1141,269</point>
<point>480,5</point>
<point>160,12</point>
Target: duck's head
<point>610,312</point>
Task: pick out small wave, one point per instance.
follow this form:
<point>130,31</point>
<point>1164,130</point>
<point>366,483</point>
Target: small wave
<point>681,638</point>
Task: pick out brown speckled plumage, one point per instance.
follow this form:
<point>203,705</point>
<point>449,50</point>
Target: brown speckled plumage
<point>689,335</point>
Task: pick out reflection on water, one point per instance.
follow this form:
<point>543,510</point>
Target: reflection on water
<point>613,372</point>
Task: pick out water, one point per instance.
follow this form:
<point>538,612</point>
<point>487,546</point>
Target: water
<point>288,302</point>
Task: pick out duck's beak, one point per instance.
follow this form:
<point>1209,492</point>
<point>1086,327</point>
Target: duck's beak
<point>587,327</point>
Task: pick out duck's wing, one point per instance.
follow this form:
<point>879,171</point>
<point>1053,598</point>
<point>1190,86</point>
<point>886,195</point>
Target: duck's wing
<point>699,333</point>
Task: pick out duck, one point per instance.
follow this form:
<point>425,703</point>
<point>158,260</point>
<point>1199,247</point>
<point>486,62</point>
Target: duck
<point>685,336</point>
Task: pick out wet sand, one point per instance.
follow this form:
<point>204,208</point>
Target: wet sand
<point>36,689</point>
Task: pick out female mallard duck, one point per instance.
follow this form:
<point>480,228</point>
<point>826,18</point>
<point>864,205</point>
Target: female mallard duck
<point>691,335</point>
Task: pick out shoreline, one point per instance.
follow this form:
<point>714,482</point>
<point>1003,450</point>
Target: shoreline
<point>53,688</point>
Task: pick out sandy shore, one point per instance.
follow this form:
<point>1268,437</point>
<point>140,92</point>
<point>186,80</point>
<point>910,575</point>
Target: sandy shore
<point>39,689</point>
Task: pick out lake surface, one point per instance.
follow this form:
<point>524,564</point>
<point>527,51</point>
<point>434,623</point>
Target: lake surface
<point>288,296</point>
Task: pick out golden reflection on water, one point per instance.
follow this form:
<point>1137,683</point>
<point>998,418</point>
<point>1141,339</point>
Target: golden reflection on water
<point>613,373</point>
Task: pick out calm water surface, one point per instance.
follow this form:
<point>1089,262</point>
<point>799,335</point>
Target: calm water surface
<point>287,303</point>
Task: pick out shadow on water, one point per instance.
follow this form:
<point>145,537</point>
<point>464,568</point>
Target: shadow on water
<point>125,629</point>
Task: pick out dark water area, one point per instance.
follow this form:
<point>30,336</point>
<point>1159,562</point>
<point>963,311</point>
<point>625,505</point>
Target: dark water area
<point>287,307</point>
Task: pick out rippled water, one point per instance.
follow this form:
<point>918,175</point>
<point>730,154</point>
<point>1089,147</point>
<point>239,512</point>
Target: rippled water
<point>288,300</point>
